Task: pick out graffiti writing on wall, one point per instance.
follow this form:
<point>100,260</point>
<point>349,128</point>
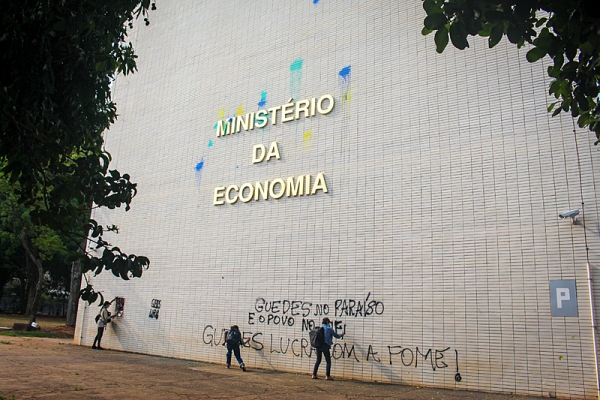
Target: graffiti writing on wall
<point>302,316</point>
<point>405,356</point>
<point>154,309</point>
<point>291,312</point>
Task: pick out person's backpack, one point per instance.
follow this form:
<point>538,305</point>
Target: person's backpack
<point>234,336</point>
<point>317,337</point>
<point>97,318</point>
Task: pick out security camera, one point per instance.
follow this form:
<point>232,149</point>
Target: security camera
<point>570,214</point>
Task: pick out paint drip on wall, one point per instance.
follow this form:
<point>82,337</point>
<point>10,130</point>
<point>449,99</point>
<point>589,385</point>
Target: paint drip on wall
<point>306,139</point>
<point>346,89</point>
<point>263,99</point>
<point>296,78</point>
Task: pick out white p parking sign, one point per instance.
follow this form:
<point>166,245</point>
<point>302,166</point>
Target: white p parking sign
<point>563,298</point>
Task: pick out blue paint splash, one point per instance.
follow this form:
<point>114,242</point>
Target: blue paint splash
<point>210,143</point>
<point>200,165</point>
<point>344,77</point>
<point>315,1</point>
<point>296,65</point>
<point>344,83</point>
<point>345,73</point>
<point>263,99</point>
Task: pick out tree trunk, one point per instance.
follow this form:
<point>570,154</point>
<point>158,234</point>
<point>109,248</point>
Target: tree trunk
<point>28,282</point>
<point>75,287</point>
<point>34,299</point>
<point>31,283</point>
<point>23,296</point>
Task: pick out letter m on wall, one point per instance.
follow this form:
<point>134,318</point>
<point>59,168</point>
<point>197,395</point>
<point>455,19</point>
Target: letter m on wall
<point>222,128</point>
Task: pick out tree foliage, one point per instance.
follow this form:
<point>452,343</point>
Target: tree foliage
<point>566,31</point>
<point>55,104</point>
<point>42,249</point>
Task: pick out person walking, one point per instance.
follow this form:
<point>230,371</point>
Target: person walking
<point>102,320</point>
<point>233,339</point>
<point>328,335</point>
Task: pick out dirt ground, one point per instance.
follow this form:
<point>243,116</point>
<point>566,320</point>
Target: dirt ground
<point>43,368</point>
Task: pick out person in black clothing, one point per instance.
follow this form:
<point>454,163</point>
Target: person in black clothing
<point>103,320</point>
<point>328,335</point>
<point>233,339</point>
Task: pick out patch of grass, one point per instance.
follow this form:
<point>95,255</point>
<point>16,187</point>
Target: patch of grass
<point>4,342</point>
<point>46,323</point>
<point>11,397</point>
<point>55,325</point>
<point>77,388</point>
<point>29,334</point>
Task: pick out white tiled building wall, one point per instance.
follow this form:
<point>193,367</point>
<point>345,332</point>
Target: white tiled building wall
<point>445,176</point>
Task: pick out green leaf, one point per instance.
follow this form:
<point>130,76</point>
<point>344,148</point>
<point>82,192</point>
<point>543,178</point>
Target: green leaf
<point>587,48</point>
<point>431,7</point>
<point>101,302</point>
<point>540,22</point>
<point>582,101</point>
<point>544,40</point>
<point>574,111</point>
<point>559,60</point>
<point>496,35</point>
<point>441,39</point>
<point>494,16</point>
<point>535,54</point>
<point>458,35</point>
<point>486,30</point>
<point>584,120</point>
<point>425,31</point>
<point>435,21</point>
<point>514,35</point>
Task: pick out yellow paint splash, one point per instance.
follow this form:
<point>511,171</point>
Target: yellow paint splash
<point>221,113</point>
<point>346,97</point>
<point>306,138</point>
<point>240,110</point>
